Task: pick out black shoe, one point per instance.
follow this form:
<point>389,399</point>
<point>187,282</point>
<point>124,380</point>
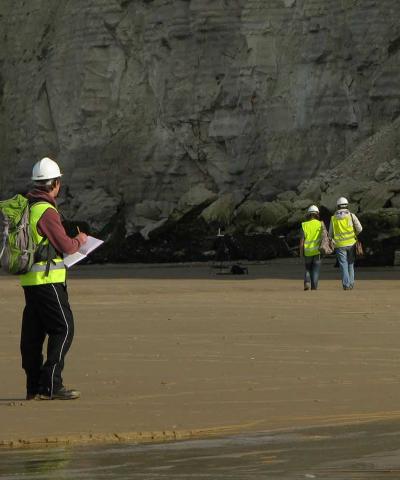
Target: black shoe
<point>62,394</point>
<point>32,396</point>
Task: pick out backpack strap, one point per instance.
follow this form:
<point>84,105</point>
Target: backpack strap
<point>352,221</point>
<point>46,272</point>
<point>5,235</point>
<point>51,251</point>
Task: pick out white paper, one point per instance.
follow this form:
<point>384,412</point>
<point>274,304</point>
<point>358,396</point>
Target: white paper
<point>70,260</point>
<point>91,244</point>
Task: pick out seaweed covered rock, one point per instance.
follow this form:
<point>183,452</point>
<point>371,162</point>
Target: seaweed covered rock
<point>381,235</point>
<point>221,212</point>
<point>272,214</point>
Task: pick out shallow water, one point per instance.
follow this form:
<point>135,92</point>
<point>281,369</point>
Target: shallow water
<point>356,452</point>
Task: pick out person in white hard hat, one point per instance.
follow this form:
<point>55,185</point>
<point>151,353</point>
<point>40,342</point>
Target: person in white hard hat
<point>310,240</point>
<point>47,311</point>
<point>343,230</point>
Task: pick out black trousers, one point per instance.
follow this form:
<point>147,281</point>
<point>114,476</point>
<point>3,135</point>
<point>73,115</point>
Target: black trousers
<point>47,312</point>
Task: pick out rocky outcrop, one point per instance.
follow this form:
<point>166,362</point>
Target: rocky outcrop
<point>372,188</point>
<point>143,101</point>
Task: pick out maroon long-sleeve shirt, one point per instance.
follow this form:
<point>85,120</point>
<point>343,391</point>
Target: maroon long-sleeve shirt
<point>50,224</point>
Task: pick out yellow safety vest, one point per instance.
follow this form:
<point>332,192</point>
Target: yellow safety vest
<point>343,231</point>
<point>312,237</point>
<point>37,274</point>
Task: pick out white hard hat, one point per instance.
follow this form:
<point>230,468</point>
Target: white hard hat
<point>45,169</point>
<point>342,201</point>
<point>313,209</point>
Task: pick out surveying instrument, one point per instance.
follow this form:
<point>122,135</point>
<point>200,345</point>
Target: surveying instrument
<point>222,253</point>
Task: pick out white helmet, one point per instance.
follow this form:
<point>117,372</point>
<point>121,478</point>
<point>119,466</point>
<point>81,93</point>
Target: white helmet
<point>342,202</point>
<point>45,169</point>
<point>313,209</point>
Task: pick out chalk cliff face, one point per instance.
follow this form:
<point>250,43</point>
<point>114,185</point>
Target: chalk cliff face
<point>146,102</point>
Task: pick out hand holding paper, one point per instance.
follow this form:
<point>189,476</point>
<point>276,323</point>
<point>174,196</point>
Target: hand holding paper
<point>91,244</point>
<point>81,237</point>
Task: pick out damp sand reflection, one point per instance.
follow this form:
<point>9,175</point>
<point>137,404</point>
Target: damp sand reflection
<point>347,452</point>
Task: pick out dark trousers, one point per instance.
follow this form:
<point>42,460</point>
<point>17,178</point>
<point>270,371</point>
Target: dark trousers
<point>47,312</point>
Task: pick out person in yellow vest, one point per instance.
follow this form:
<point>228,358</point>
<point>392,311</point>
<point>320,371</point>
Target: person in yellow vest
<point>47,311</point>
<point>343,230</point>
<point>310,241</point>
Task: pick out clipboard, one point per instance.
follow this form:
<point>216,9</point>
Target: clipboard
<point>88,247</point>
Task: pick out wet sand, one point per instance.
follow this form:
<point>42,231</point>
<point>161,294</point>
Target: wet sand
<point>369,451</point>
<point>165,352</point>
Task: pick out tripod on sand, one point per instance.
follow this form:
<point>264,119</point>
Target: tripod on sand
<point>223,256</point>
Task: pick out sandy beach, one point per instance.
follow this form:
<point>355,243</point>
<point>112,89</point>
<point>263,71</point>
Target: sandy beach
<point>164,352</point>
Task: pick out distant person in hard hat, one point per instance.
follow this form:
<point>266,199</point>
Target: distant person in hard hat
<point>344,229</point>
<point>310,240</point>
<point>47,311</point>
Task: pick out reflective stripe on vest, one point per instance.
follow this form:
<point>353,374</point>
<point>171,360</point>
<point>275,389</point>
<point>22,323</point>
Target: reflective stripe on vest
<point>312,237</point>
<point>37,274</point>
<point>343,231</point>
<point>41,266</point>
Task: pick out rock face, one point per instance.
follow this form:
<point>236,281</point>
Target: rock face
<point>143,101</point>
<point>377,203</point>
